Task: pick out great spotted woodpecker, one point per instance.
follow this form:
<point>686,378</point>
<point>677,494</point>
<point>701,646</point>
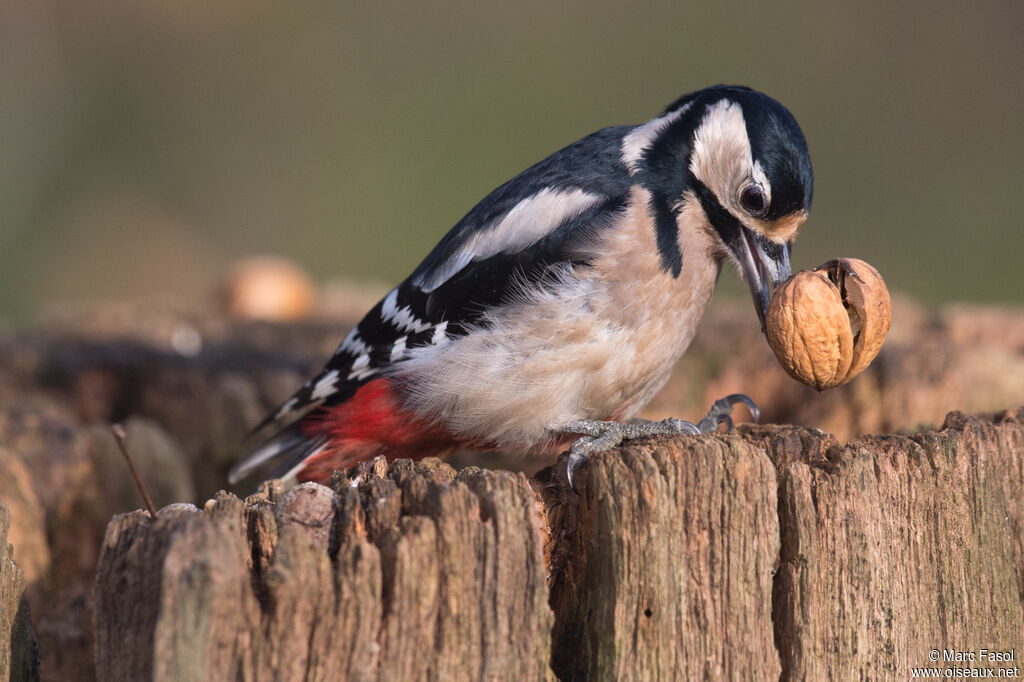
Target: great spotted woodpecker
<point>557,307</point>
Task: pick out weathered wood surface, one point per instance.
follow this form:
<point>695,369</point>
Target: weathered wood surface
<point>19,656</point>
<point>414,574</point>
<point>772,554</point>
<point>737,557</point>
<point>895,546</point>
<point>663,566</point>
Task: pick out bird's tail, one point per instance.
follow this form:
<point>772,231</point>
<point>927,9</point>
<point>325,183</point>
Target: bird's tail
<point>278,454</point>
<point>371,422</point>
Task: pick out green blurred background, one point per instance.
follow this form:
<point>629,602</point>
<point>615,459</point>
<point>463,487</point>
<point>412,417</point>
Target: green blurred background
<point>146,145</point>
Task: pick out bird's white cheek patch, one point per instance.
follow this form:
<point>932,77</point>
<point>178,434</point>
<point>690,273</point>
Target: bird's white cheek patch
<point>721,157</point>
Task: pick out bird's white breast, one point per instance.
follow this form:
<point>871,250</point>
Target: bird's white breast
<point>597,345</point>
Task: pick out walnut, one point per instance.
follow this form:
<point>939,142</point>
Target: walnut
<point>826,325</point>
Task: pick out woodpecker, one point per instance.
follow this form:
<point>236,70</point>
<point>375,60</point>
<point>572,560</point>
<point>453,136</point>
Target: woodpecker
<point>556,308</point>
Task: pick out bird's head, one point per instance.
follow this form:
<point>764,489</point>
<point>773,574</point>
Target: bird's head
<point>752,175</point>
<point>741,159</point>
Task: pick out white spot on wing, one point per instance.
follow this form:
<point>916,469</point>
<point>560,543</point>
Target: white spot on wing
<point>640,139</point>
<point>358,374</point>
<point>401,317</point>
<point>439,336</point>
<point>361,368</point>
<point>325,386</point>
<point>287,407</point>
<point>524,224</point>
<point>398,350</point>
<point>390,304</point>
<point>352,344</point>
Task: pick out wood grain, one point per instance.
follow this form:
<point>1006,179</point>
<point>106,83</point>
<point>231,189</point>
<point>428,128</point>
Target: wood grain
<point>775,553</point>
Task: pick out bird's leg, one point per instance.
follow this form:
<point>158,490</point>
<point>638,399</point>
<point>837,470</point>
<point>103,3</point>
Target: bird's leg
<point>599,436</point>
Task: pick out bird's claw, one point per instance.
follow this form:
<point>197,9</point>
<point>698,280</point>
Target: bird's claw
<point>721,413</point>
<point>598,436</point>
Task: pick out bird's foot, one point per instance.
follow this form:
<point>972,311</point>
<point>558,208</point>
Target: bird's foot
<point>721,413</point>
<point>599,436</point>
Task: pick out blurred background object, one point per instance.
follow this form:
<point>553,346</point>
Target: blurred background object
<point>146,145</point>
<point>267,288</point>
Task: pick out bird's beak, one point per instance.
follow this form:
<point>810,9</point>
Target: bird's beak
<point>765,265</point>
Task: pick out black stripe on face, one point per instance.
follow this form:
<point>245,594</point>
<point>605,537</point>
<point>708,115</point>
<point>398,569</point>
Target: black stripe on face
<point>666,231</point>
<point>664,172</point>
<point>725,224</point>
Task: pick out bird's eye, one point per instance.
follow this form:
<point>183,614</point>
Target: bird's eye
<point>754,201</point>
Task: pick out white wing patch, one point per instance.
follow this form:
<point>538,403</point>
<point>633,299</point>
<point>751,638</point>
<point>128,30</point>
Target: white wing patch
<point>326,385</point>
<point>640,138</point>
<point>361,368</point>
<point>526,223</point>
<point>402,317</point>
<point>398,350</point>
<point>360,374</point>
<point>352,344</point>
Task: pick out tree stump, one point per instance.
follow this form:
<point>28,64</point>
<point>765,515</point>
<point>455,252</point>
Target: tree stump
<point>409,573</point>
<point>774,553</point>
<point>19,656</point>
<point>664,565</point>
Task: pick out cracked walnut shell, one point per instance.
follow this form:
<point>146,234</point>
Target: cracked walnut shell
<point>826,325</point>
